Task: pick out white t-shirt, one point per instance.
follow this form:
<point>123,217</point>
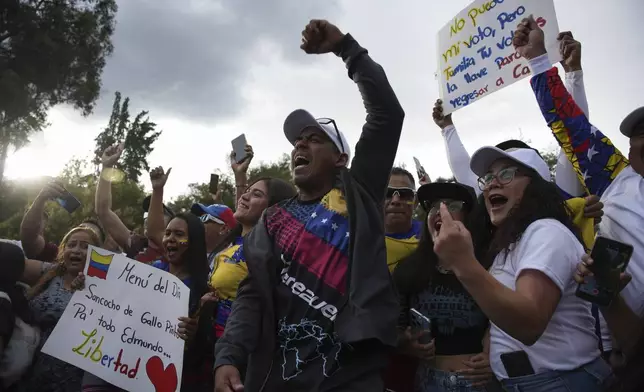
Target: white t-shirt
<point>623,221</point>
<point>569,340</point>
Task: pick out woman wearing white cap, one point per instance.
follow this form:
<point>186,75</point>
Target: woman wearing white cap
<point>540,330</point>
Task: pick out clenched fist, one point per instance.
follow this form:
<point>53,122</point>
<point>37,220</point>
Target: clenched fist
<point>320,36</point>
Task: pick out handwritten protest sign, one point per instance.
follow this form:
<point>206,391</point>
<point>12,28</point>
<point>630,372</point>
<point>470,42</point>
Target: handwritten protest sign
<point>123,326</point>
<point>475,52</point>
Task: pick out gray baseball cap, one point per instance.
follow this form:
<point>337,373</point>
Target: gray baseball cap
<point>632,121</point>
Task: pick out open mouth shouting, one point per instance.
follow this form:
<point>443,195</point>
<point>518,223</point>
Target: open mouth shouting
<point>497,202</point>
<point>76,260</point>
<point>300,162</point>
<point>171,251</point>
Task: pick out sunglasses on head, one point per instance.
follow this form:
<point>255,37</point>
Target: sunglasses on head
<point>452,206</point>
<point>403,193</point>
<point>205,218</point>
<point>327,121</point>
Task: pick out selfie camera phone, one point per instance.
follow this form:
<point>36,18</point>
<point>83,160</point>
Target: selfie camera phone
<point>69,202</point>
<point>422,323</point>
<point>239,148</point>
<point>214,183</point>
<point>517,364</point>
<point>610,259</point>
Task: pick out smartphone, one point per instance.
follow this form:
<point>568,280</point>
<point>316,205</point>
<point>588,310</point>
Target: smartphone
<point>214,183</point>
<point>239,148</point>
<point>610,259</point>
<point>517,364</point>
<point>420,322</point>
<point>68,202</point>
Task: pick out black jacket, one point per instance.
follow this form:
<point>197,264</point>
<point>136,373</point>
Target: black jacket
<point>371,309</point>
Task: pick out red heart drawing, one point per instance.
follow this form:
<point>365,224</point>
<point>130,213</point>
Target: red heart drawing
<point>164,380</point>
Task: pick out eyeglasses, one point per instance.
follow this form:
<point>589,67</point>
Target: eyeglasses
<point>205,218</point>
<point>504,177</point>
<point>452,206</point>
<point>403,193</point>
<point>327,121</point>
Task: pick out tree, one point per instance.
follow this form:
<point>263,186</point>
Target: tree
<point>551,160</point>
<point>80,181</point>
<point>51,52</point>
<point>199,192</point>
<point>138,136</point>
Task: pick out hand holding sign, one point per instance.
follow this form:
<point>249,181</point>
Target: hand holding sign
<point>440,119</point>
<point>453,244</point>
<point>570,50</point>
<point>529,39</point>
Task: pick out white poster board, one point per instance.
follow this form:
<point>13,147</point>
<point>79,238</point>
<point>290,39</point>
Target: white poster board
<point>123,326</point>
<point>475,52</point>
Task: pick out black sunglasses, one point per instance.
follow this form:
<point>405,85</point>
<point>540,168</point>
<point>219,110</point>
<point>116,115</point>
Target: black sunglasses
<point>402,193</point>
<point>327,121</point>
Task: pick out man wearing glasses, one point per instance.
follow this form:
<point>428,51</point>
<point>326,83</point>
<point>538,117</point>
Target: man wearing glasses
<point>318,308</point>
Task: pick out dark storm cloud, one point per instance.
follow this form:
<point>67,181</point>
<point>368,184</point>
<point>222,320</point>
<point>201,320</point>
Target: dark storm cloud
<point>189,58</point>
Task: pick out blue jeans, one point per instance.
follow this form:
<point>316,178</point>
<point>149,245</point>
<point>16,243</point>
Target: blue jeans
<point>588,378</point>
<point>432,380</point>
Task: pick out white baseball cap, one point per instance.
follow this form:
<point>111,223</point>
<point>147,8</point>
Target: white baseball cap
<point>300,119</point>
<point>484,157</point>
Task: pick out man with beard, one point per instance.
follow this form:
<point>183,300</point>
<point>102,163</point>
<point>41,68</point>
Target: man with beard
<point>318,309</point>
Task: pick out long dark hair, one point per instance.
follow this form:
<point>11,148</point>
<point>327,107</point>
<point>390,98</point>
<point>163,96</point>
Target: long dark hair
<point>196,258</point>
<point>540,200</point>
<point>414,272</point>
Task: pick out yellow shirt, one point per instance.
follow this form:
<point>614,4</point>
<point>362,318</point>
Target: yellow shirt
<point>229,269</point>
<point>400,246</point>
<point>585,225</point>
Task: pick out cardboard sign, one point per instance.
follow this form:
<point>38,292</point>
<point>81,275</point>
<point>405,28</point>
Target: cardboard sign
<point>475,52</point>
<point>123,326</point>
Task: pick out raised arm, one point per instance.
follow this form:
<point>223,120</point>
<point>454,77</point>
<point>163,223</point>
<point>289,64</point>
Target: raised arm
<point>376,150</point>
<point>457,156</point>
<point>156,222</point>
<point>240,170</point>
<point>595,160</point>
<point>33,223</point>
<point>570,50</point>
<point>103,199</point>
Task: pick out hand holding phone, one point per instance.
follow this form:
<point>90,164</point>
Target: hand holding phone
<point>68,202</point>
<point>239,148</point>
<point>607,262</point>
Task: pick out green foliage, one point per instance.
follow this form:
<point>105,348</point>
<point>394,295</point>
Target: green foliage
<point>80,181</point>
<point>138,136</point>
<point>51,52</point>
<point>199,192</point>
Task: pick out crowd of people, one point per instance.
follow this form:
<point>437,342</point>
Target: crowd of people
<point>332,285</point>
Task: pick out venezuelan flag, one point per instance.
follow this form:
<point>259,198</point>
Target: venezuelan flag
<point>99,265</point>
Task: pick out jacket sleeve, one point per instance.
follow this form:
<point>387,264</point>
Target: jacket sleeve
<point>595,159</point>
<point>242,330</point>
<point>376,150</point>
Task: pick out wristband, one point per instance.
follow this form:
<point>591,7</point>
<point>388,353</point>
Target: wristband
<point>539,64</point>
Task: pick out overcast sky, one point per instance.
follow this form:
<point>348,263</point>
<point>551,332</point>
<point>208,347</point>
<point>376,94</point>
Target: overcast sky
<point>209,70</point>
